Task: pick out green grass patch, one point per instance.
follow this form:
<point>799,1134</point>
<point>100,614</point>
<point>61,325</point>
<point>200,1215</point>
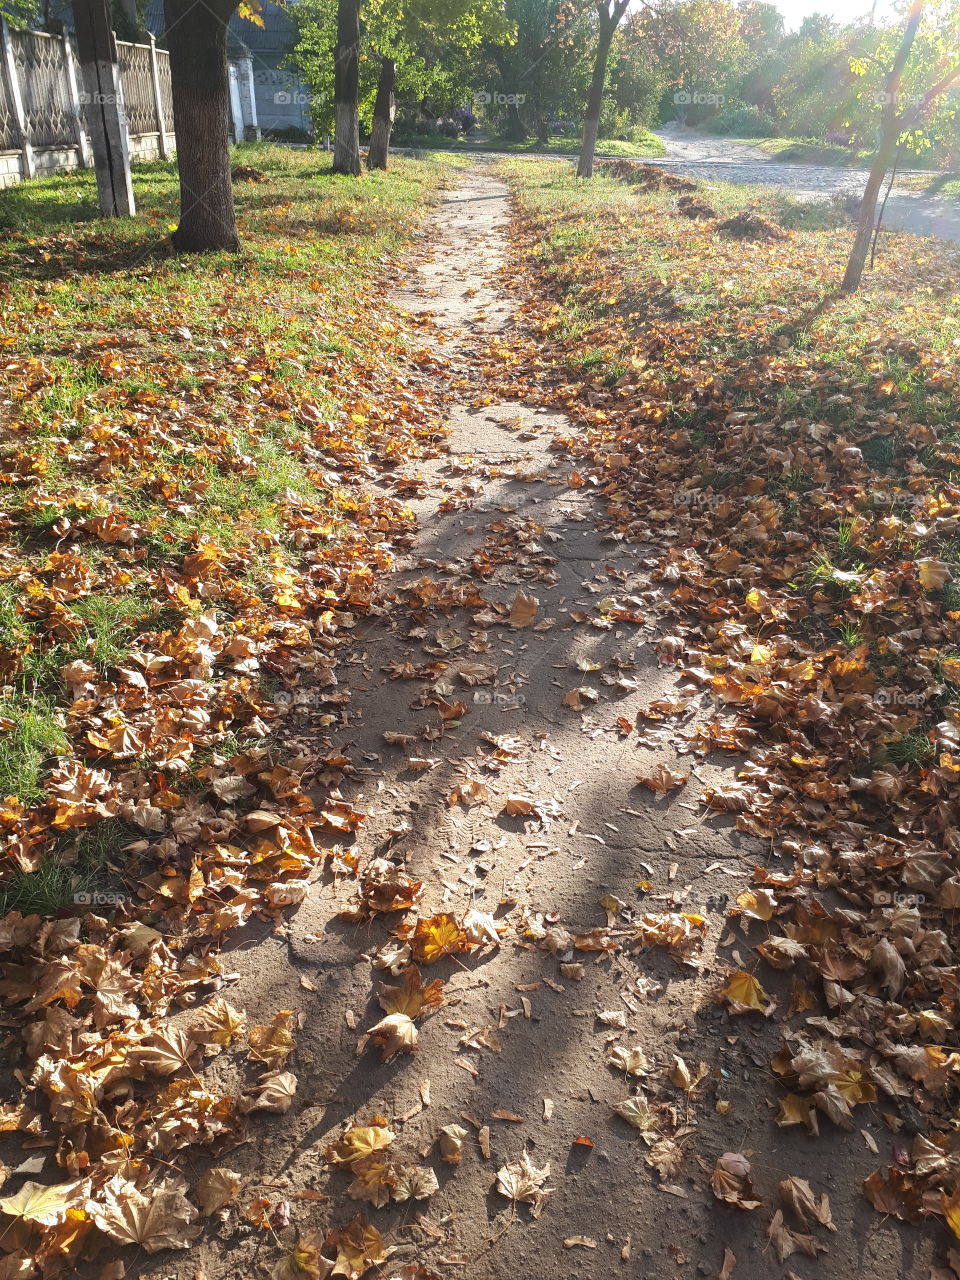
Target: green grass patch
<point>159,406</point>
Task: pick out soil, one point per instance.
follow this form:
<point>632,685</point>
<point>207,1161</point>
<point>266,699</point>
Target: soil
<point>501,490</point>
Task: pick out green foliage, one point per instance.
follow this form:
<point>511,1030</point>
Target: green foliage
<point>431,42</point>
<point>743,120</point>
<point>19,13</point>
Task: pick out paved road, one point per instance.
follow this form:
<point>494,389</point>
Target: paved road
<point>716,159</point>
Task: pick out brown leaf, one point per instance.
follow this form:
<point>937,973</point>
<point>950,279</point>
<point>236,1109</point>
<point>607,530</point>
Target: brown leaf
<point>160,1219</point>
<point>216,1188</point>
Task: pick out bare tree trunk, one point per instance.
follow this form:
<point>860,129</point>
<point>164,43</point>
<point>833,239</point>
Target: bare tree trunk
<point>346,139</point>
<point>891,126</point>
<point>197,39</point>
<point>383,113</point>
<point>104,112</point>
<point>609,18</point>
<point>516,129</point>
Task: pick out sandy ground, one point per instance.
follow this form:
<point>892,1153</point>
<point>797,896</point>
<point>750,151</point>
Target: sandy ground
<point>514,1034</point>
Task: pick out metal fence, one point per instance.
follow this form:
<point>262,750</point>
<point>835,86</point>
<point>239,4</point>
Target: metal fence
<point>41,112</point>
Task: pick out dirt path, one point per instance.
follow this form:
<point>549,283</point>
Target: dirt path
<point>518,1035</point>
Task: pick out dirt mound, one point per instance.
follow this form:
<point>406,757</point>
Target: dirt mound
<point>750,226</point>
<point>246,173</point>
<point>691,207</point>
<point>648,176</point>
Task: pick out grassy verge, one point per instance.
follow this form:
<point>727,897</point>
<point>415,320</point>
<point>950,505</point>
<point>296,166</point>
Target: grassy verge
<point>799,151</point>
<point>946,185</point>
<point>647,145</point>
<point>792,456</point>
<point>183,448</point>
<point>802,151</point>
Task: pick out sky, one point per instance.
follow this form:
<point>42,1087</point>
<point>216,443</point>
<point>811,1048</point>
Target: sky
<point>794,11</point>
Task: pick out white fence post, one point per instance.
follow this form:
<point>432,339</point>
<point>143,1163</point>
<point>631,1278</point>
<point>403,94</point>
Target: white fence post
<point>158,99</point>
<point>73,92</point>
<point>16,99</point>
<point>248,99</point>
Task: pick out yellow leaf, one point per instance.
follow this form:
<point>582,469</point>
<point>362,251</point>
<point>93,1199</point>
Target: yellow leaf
<point>360,1141</point>
<point>743,989</point>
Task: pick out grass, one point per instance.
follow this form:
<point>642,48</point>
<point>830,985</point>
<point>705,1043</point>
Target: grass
<point>159,412</point>
<point>647,145</point>
<point>84,874</point>
<point>857,454</point>
<point>945,185</point>
<point>807,151</point>
<point>30,737</point>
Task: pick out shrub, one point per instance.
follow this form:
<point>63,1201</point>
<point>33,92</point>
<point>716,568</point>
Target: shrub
<point>743,119</point>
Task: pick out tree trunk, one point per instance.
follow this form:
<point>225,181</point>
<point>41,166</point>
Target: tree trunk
<point>891,127</point>
<point>591,120</point>
<point>383,112</point>
<point>103,107</point>
<point>346,139</point>
<point>868,209</point>
<point>516,129</point>
<point>197,39</point>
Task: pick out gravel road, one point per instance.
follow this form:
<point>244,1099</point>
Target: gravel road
<point>719,160</point>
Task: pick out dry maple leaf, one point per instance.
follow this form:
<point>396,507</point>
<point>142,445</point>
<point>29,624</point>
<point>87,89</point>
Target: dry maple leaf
<point>358,1247</point>
<point>522,1183</point>
<point>730,1181</point>
<point>450,1140</point>
<point>797,1194</point>
<point>636,1111</point>
<point>304,1261</point>
<point>358,1142</point>
<point>216,1188</point>
<point>684,1078</point>
<point>632,1060</point>
<point>523,610</point>
<point>396,1033</point>
<point>468,792</point>
<point>273,1044</point>
<point>160,1219</point>
<point>415,1182</point>
<point>757,904</point>
<point>481,928</point>
<point>895,1193</point>
<point>386,887</point>
<point>219,1023</point>
<point>438,936</point>
<point>950,1206</point>
<point>374,1178</point>
<point>46,1206</point>
<point>667,1157</point>
<point>785,1242</point>
<point>744,993</point>
<point>167,1051</point>
<point>275,1092</point>
<point>411,996</point>
<point>474,673</point>
<point>662,779</point>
